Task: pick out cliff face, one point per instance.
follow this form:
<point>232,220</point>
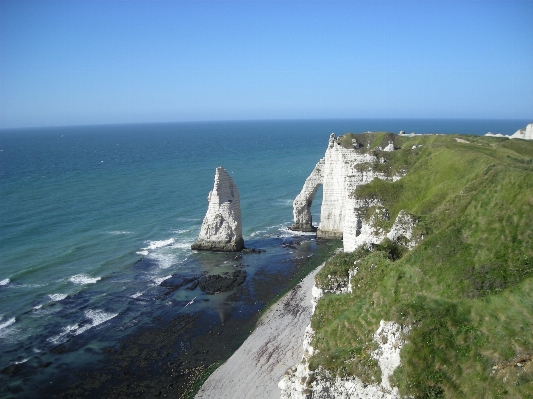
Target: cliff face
<point>302,204</point>
<point>222,226</point>
<point>524,134</point>
<point>340,172</point>
<point>437,270</point>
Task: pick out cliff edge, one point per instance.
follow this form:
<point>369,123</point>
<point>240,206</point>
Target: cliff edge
<point>433,294</point>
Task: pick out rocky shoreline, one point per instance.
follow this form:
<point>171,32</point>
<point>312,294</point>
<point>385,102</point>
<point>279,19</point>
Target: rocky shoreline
<point>256,368</point>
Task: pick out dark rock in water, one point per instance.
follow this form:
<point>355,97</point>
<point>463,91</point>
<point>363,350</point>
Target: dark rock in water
<point>252,251</point>
<point>215,283</point>
<point>193,285</point>
<point>174,283</point>
<point>177,281</point>
<point>11,370</point>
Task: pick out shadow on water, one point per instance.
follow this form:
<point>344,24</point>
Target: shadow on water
<point>164,343</point>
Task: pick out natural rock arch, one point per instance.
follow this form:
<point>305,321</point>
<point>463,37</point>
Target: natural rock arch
<point>301,207</point>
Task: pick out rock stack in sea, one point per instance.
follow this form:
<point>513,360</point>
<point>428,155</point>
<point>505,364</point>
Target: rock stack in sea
<point>222,226</point>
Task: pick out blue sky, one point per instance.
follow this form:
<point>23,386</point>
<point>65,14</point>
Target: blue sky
<point>91,62</point>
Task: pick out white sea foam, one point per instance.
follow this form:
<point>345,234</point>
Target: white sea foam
<point>21,361</point>
<point>97,317</point>
<point>5,281</point>
<point>63,336</point>
<point>152,245</point>
<point>258,233</point>
<point>159,244</point>
<point>136,295</point>
<point>183,244</point>
<point>7,323</point>
<point>38,307</point>
<point>117,232</point>
<point>159,280</point>
<point>286,232</point>
<point>57,297</point>
<point>177,231</point>
<point>164,261</point>
<point>82,279</point>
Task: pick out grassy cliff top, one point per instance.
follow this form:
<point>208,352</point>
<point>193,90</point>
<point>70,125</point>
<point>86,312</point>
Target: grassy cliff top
<point>466,289</point>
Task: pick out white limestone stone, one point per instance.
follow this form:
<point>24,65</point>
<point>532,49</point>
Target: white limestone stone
<point>341,176</point>
<point>403,226</point>
<point>302,204</point>
<point>301,383</point>
<point>525,134</point>
<point>222,226</point>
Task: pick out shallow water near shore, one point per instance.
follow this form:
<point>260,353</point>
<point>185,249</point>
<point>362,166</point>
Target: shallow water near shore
<point>94,220</point>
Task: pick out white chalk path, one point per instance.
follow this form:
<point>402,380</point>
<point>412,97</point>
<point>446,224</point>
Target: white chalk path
<point>258,365</point>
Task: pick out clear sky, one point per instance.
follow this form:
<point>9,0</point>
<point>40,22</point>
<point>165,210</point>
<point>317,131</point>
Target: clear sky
<point>90,62</point>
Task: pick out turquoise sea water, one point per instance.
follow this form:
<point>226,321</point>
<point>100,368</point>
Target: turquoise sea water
<point>81,206</point>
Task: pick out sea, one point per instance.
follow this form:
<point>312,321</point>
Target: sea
<point>96,225</point>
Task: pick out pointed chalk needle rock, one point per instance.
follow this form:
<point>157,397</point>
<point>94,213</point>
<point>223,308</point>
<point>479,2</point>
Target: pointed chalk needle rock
<point>222,226</point>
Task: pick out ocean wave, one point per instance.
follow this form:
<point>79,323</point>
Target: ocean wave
<point>159,280</point>
<point>82,279</point>
<point>183,244</point>
<point>286,232</point>
<point>96,317</point>
<point>117,232</point>
<point>7,323</point>
<point>257,233</point>
<point>158,244</point>
<point>57,297</point>
<point>136,295</point>
<point>63,336</point>
<point>5,282</point>
<point>177,231</point>
<point>152,245</point>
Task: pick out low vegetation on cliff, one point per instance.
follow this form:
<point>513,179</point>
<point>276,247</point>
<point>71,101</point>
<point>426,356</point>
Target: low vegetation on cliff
<point>466,289</point>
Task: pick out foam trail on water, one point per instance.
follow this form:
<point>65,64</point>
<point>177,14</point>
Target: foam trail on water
<point>159,280</point>
<point>154,245</point>
<point>97,317</point>
<point>82,279</point>
<point>57,297</point>
<point>7,323</point>
<point>62,336</point>
<point>5,282</point>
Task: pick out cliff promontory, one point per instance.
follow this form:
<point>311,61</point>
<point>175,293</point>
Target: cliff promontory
<point>222,226</point>
<point>433,294</point>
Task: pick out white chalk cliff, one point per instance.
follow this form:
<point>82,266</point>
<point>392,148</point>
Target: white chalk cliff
<point>524,134</point>
<point>299,382</point>
<point>222,226</point>
<point>340,172</point>
<point>302,203</point>
<point>358,222</point>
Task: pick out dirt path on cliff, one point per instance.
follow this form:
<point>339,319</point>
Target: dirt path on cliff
<point>257,366</point>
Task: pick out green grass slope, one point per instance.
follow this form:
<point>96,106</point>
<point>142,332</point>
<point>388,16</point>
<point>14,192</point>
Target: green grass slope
<point>466,289</point>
